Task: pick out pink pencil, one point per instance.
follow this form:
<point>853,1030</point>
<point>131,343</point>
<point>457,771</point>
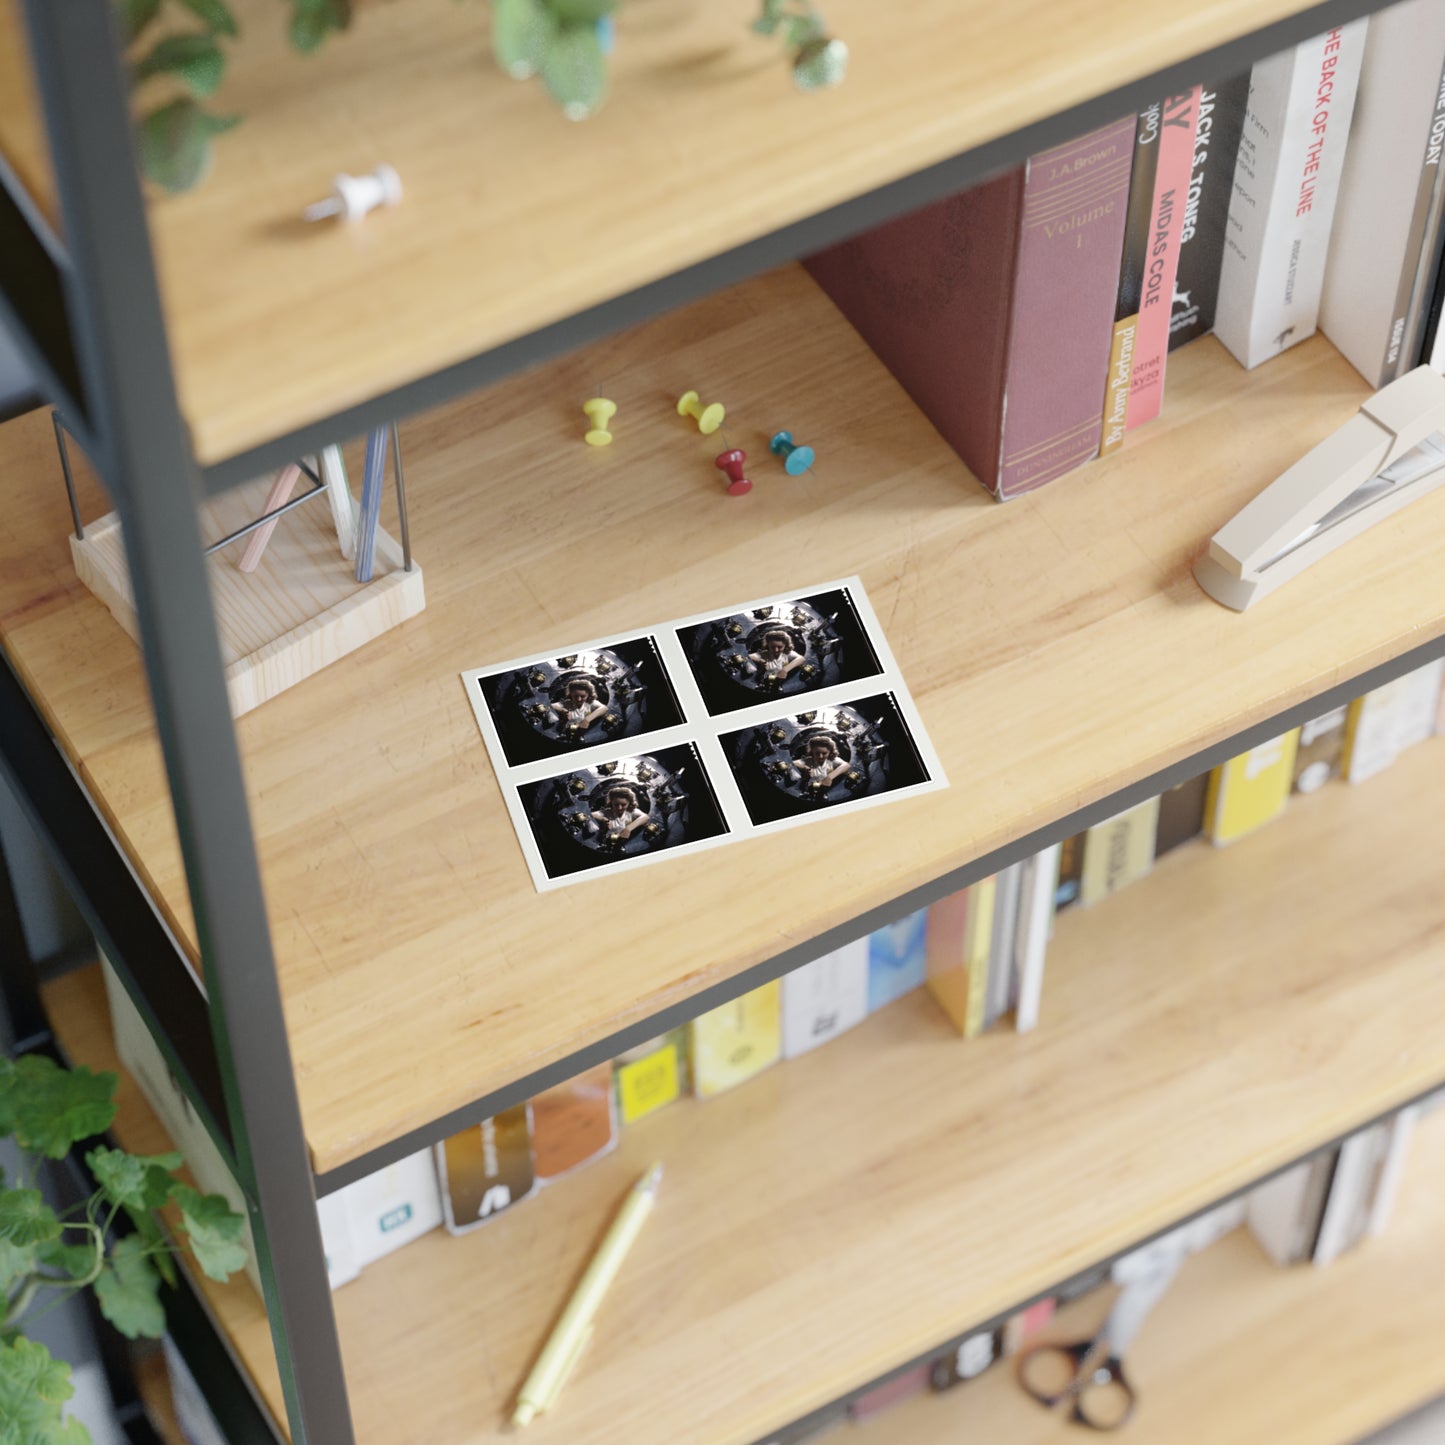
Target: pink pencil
<point>281,490</point>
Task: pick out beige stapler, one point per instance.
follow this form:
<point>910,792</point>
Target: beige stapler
<point>1390,453</point>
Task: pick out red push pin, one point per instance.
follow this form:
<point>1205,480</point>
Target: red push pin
<point>731,462</point>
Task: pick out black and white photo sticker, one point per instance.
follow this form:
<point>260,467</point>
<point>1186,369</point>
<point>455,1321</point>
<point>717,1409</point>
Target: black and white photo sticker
<point>619,752</point>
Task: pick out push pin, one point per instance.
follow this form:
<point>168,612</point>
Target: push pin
<point>731,462</point>
<point>353,196</point>
<point>709,418</point>
<point>599,411</point>
<point>796,460</point>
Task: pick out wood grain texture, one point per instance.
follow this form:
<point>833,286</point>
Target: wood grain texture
<point>1057,648</point>
<point>297,611</point>
<point>22,129</point>
<point>514,217</point>
<point>1242,1351</point>
<point>848,1210</point>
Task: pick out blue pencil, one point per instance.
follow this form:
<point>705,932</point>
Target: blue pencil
<point>370,513</point>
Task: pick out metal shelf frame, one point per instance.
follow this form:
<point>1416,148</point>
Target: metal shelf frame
<point>87,313</point>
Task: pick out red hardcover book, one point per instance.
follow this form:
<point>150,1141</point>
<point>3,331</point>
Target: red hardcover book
<point>995,307</point>
<point>1171,193</point>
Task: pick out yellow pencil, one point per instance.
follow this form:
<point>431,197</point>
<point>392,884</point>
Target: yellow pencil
<point>573,1330</point>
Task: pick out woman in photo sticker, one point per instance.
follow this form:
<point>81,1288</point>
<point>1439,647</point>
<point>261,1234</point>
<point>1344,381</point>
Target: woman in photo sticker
<point>777,660</point>
<point>620,817</point>
<point>820,766</point>
<point>578,708</point>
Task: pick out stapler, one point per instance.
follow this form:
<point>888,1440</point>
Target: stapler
<point>1391,452</point>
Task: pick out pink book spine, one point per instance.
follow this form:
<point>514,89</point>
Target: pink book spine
<point>1171,191</point>
<point>1057,361</point>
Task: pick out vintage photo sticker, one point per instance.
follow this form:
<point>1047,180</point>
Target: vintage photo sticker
<point>782,650</point>
<point>555,706</point>
<point>621,811</point>
<point>809,763</point>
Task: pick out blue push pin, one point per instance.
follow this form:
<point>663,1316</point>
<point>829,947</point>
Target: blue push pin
<point>796,460</point>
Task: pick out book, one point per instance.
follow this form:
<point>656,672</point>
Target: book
<point>891,1392</point>
<point>993,307</point>
<point>960,937</point>
<point>573,1123</point>
<point>1071,869</point>
<point>650,1076</point>
<point>1283,1214</point>
<point>737,1040</point>
<point>1286,179</point>
<point>896,959</point>
<point>394,1206</point>
<point>1129,292</point>
<point>1038,891</point>
<point>1002,986</point>
<point>1172,175</point>
<point>486,1169</point>
<point>1118,851</point>
<point>1181,814</point>
<point>1388,189</point>
<point>965,1362</point>
<point>1400,1130</point>
<point>1321,750</point>
<point>1251,790</point>
<point>1386,720</point>
<point>1023,1324</point>
<point>825,998</point>
<point>1206,209</point>
<point>1342,1223</point>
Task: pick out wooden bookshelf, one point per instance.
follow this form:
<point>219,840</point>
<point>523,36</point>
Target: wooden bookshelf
<point>23,146</point>
<point>1055,652</point>
<point>1243,1351</point>
<point>703,145</point>
<point>847,1211</point>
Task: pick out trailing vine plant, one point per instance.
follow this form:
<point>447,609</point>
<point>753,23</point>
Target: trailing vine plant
<point>45,1256</point>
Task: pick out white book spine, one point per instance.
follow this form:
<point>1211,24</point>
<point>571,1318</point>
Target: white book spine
<point>824,998</point>
<point>1387,1186</point>
<point>1036,918</point>
<point>1003,944</point>
<point>1387,190</point>
<point>1352,1176</point>
<point>1286,182</point>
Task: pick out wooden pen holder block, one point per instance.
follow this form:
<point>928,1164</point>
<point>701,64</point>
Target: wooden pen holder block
<point>300,610</point>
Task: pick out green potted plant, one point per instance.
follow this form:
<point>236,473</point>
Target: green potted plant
<point>46,1256</point>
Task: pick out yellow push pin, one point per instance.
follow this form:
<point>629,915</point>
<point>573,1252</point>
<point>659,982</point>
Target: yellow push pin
<point>599,411</point>
<point>709,418</point>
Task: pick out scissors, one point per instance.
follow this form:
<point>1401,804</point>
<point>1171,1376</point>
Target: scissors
<point>1089,1374</point>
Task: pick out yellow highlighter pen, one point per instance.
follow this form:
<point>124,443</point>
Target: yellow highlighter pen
<point>571,1333</point>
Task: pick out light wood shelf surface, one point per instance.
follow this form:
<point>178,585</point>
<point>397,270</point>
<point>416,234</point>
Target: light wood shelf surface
<point>1057,648</point>
<point>514,217</point>
<point>1240,1350</point>
<point>22,130</point>
<point>847,1211</point>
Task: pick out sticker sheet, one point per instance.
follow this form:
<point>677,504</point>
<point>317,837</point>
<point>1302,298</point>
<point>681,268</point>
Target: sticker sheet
<point>769,714</point>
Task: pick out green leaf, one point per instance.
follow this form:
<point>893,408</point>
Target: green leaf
<point>820,63</point>
<point>135,15</point>
<point>74,1261</point>
<point>769,17</point>
<point>804,30</point>
<point>33,1389</point>
<point>175,145</point>
<point>522,31</point>
<point>574,70</point>
<point>195,60</point>
<point>313,20</point>
<point>52,1108</point>
<point>156,1241</point>
<point>215,15</point>
<point>214,1229</point>
<point>133,1180</point>
<point>25,1218</point>
<point>581,12</point>
<point>128,1290</point>
<point>16,1261</point>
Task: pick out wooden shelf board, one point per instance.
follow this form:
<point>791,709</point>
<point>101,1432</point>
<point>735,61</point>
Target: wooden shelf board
<point>22,128</point>
<point>1058,648</point>
<point>1243,1351</point>
<point>847,1211</point>
<point>514,218</point>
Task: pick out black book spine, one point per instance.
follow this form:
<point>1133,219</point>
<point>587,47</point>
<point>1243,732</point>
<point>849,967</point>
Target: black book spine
<point>1139,219</point>
<point>1206,211</point>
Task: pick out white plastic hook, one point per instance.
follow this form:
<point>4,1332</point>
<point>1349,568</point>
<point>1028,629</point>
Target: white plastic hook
<point>353,196</point>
